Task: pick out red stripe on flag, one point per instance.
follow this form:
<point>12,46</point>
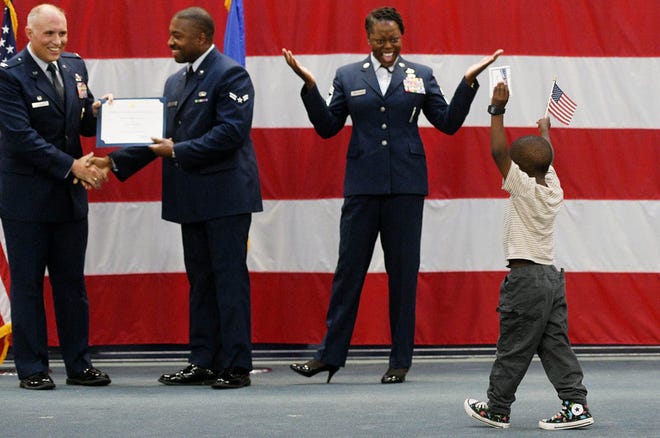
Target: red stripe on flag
<point>4,269</point>
<point>577,28</point>
<point>4,277</point>
<point>459,166</point>
<point>623,28</point>
<point>139,29</point>
<point>452,308</point>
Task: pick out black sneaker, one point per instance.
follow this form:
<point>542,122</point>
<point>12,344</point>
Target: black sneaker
<point>571,416</point>
<point>481,411</point>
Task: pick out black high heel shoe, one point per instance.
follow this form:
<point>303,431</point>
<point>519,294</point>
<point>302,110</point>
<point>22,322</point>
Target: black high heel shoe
<point>313,367</point>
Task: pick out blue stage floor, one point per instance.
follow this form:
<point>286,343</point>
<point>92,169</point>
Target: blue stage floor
<point>624,397</point>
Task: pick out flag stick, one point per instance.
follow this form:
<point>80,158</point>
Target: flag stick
<point>554,81</point>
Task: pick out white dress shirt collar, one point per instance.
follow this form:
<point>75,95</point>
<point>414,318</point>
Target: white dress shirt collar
<point>201,58</point>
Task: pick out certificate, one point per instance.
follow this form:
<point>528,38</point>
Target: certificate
<point>130,122</point>
<point>499,74</point>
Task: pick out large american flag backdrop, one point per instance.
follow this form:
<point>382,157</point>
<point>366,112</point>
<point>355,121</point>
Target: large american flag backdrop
<point>608,234</point>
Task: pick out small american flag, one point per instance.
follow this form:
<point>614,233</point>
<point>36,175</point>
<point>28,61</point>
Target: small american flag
<point>7,32</point>
<point>560,105</point>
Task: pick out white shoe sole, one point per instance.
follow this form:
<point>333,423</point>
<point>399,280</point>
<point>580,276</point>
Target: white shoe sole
<point>471,413</point>
<point>563,426</point>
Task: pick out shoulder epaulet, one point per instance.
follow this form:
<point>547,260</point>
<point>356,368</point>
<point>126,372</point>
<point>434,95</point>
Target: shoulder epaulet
<point>12,62</point>
<point>70,55</point>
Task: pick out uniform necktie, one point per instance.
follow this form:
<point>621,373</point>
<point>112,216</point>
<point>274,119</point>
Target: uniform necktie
<point>189,73</point>
<point>384,76</point>
<point>56,82</point>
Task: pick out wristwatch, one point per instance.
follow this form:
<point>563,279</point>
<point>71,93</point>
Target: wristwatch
<point>495,110</point>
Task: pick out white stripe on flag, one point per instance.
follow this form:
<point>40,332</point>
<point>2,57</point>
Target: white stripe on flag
<point>458,235</point>
<point>528,72</point>
<point>5,308</point>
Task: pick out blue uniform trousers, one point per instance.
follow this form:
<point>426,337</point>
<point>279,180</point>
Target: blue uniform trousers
<point>31,248</point>
<point>215,254</point>
<point>398,219</point>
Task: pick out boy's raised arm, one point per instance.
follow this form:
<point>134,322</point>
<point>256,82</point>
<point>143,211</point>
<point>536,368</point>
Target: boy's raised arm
<point>498,145</point>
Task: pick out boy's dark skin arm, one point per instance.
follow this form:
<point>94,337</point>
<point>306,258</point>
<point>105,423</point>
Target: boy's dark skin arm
<point>498,145</point>
<point>544,131</point>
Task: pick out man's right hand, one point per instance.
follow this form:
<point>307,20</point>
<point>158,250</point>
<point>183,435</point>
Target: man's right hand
<point>103,163</point>
<point>89,174</point>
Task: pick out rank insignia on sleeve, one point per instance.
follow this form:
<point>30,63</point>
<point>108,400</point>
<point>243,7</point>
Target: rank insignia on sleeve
<point>239,99</point>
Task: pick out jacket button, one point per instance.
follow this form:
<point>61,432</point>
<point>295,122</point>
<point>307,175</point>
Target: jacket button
<point>383,142</point>
<point>383,126</point>
<point>382,109</point>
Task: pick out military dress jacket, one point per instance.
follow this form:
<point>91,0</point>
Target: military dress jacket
<point>385,154</point>
<point>40,138</point>
<point>209,118</point>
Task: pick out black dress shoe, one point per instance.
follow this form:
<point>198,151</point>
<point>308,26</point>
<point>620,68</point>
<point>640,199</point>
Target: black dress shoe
<point>313,367</point>
<point>89,377</point>
<point>190,375</point>
<point>37,381</point>
<point>394,375</point>
<point>232,378</point>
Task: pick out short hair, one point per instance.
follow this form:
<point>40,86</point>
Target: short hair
<point>383,14</point>
<point>34,12</point>
<point>201,19</point>
<point>533,154</point>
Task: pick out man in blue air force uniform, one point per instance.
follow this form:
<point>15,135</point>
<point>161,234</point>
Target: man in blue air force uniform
<point>210,187</point>
<point>44,108</point>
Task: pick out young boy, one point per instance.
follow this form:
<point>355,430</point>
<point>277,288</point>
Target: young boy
<point>532,305</point>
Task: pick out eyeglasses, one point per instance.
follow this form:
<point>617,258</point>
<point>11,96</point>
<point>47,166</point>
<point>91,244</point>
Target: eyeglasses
<point>381,41</point>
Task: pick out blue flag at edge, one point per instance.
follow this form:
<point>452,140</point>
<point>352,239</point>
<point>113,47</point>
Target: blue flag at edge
<point>234,45</point>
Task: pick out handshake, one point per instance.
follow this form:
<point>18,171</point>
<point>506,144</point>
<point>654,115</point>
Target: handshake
<point>91,171</point>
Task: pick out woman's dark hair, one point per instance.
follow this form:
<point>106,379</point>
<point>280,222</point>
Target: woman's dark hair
<point>383,14</point>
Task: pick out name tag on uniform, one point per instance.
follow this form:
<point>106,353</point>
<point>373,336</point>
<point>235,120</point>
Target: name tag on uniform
<point>359,92</point>
<point>40,104</point>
